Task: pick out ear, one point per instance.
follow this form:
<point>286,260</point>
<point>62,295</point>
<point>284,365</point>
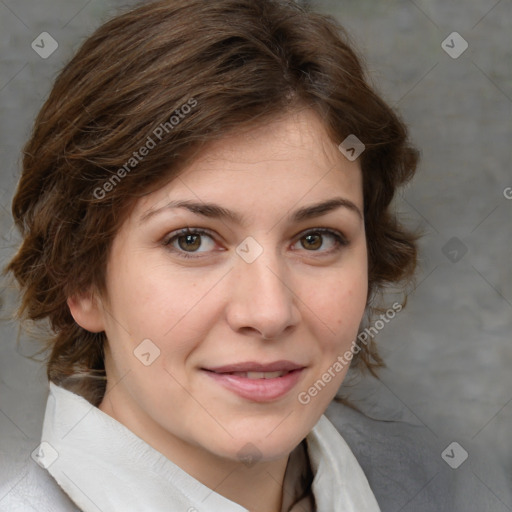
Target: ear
<point>87,311</point>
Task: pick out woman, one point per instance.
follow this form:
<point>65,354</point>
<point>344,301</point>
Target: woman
<point>205,215</point>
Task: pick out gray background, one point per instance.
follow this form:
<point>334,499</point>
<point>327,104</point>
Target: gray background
<point>449,353</point>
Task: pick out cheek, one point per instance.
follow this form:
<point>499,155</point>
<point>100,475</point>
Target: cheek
<point>147,297</point>
<point>340,318</point>
<point>337,306</point>
<point>171,308</point>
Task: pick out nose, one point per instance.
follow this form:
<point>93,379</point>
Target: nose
<point>262,302</point>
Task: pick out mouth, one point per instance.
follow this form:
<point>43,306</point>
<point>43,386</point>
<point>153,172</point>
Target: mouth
<point>257,375</point>
<point>257,382</point>
<point>255,367</point>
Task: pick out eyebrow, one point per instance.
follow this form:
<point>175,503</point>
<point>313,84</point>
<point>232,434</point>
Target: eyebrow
<point>214,211</point>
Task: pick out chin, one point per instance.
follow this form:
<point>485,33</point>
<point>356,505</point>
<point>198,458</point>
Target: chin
<point>250,451</point>
<point>265,441</point>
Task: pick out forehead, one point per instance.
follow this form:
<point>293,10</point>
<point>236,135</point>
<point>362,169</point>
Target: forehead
<point>290,160</point>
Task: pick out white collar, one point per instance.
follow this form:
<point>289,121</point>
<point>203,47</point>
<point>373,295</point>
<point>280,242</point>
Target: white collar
<point>104,467</point>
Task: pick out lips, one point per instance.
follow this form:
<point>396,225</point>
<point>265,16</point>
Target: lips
<point>256,381</point>
<point>276,366</point>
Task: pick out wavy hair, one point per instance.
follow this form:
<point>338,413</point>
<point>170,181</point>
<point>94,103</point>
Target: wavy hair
<point>244,62</point>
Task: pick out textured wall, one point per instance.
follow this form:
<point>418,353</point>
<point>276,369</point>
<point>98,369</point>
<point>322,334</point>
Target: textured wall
<point>449,352</point>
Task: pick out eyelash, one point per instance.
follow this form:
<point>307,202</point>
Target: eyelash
<point>339,238</point>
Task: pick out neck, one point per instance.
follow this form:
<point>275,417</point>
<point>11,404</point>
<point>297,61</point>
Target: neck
<point>257,487</point>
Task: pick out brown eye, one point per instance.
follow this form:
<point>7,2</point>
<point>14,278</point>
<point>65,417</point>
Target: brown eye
<point>186,242</point>
<point>189,242</point>
<point>312,241</point>
<point>322,241</point>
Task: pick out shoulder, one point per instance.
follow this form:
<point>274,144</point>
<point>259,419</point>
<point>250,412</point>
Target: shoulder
<point>397,457</point>
<point>33,489</point>
<point>401,458</point>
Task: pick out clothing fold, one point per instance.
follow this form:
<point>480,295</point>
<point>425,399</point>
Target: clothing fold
<point>103,466</point>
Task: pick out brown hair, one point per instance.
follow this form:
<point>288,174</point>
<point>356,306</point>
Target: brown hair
<point>235,63</point>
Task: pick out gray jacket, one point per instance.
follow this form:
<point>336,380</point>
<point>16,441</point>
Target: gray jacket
<point>403,462</point>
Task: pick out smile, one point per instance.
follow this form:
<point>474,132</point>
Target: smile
<point>257,382</point>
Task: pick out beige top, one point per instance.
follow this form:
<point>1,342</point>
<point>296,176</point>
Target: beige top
<point>101,465</point>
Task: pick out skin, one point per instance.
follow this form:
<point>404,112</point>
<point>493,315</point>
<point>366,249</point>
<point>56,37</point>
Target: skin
<point>301,300</point>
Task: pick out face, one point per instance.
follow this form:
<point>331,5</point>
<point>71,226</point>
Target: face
<point>231,290</point>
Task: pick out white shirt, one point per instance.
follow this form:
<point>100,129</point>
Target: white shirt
<point>104,467</point>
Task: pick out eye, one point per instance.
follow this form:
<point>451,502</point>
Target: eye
<point>189,241</point>
<point>316,239</point>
